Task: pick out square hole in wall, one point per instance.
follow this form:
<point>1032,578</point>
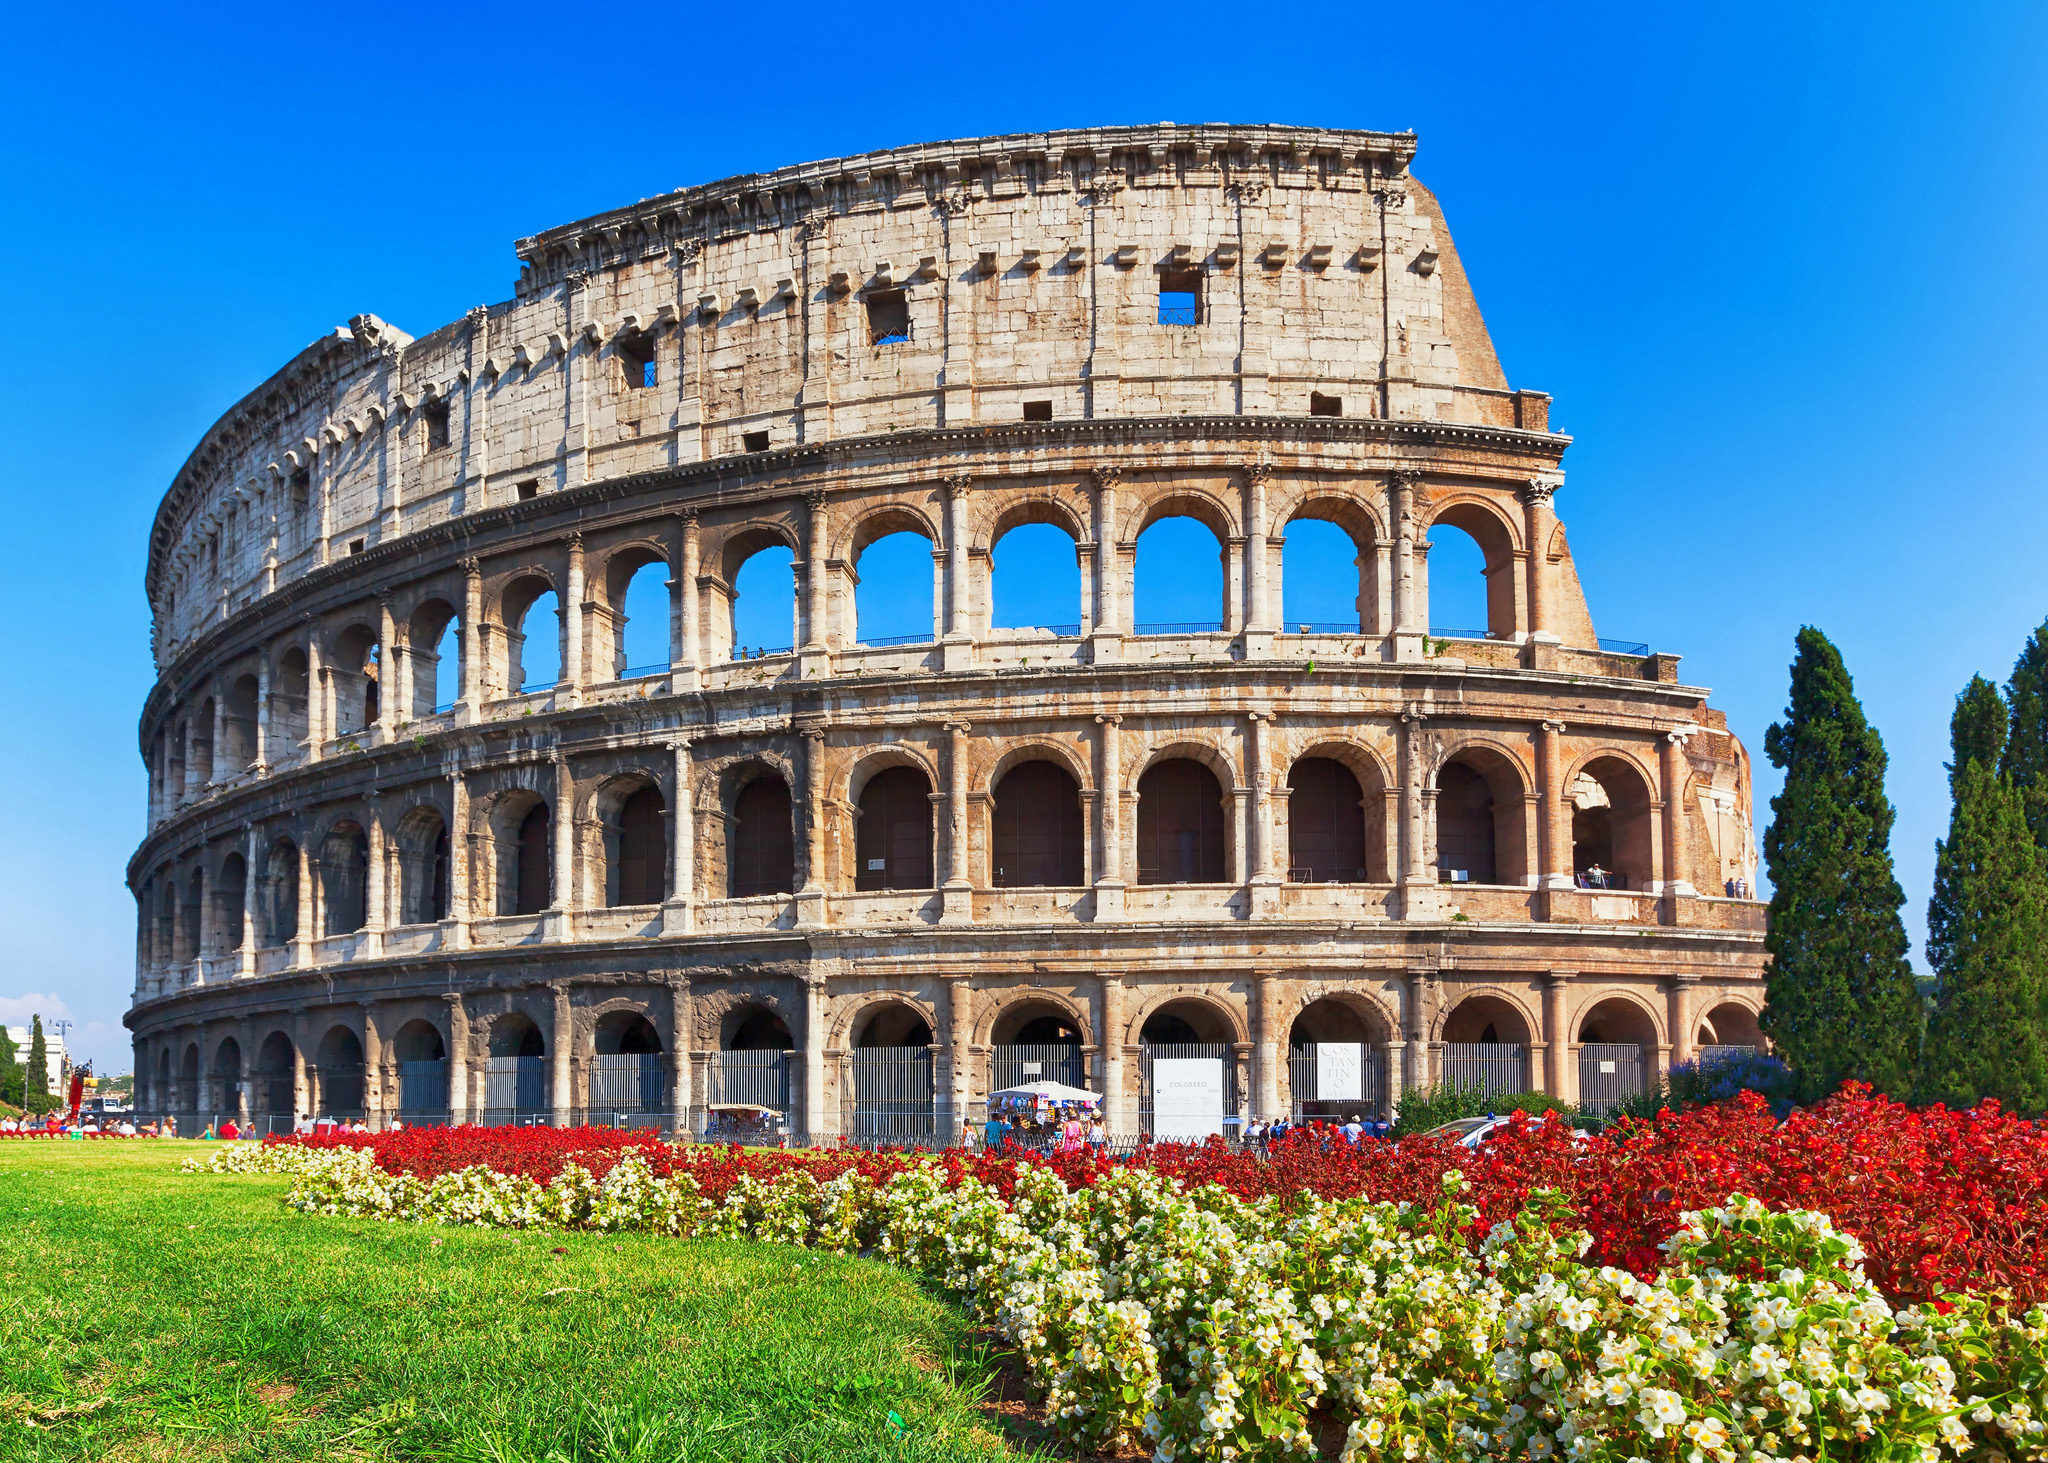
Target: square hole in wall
<point>1180,297</point>
<point>1037,411</point>
<point>754,441</point>
<point>437,425</point>
<point>888,317</point>
<point>357,545</point>
<point>1320,405</point>
<point>636,360</point>
<point>529,490</point>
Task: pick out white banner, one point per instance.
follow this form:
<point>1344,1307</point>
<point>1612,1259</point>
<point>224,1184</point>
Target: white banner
<point>1340,1071</point>
<point>1187,1097</point>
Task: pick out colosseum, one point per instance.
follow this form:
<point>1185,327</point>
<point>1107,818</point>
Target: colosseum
<point>853,883</point>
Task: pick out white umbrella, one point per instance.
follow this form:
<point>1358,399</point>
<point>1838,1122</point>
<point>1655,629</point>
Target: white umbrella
<point>1049,1092</point>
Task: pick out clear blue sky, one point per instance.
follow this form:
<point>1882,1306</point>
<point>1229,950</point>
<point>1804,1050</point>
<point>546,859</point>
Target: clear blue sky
<point>1784,268</point>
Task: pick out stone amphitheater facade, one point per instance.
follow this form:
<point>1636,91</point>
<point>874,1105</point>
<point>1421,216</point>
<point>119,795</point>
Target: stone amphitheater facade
<point>870,880</point>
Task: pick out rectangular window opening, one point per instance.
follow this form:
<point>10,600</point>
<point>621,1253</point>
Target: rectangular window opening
<point>888,318</point>
<point>636,361</point>
<point>357,545</point>
<point>754,441</point>
<point>437,425</point>
<point>529,490</point>
<point>302,489</point>
<point>1320,405</point>
<point>1180,297</point>
<point>1037,411</point>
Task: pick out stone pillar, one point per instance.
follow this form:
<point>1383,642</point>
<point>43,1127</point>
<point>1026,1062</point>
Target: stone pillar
<point>814,1058</point>
<point>1272,1051</point>
<point>302,1070</point>
<point>376,881</point>
<point>1554,824</point>
<point>387,670</point>
<point>681,1019</point>
<point>217,772</point>
<point>1560,1074</point>
<point>572,625</point>
<point>474,646</point>
<point>1411,620</point>
<point>1678,995</point>
<point>1415,1025</point>
<point>958,895</point>
<point>373,1066</point>
<point>958,652</point>
<point>1264,879</point>
<point>208,1103</point>
<point>302,942</point>
<point>564,900</point>
<point>1538,524</point>
<point>815,530</point>
<point>1672,771</point>
<point>679,912</point>
<point>1116,1114</point>
<point>1259,614</point>
<point>1109,881</point>
<point>458,1059</point>
<point>460,896</point>
<point>245,1090</point>
<point>1106,640</point>
<point>316,699</point>
<point>685,651</point>
<point>208,936</point>
<point>810,898</point>
<point>561,1052</point>
<point>263,743</point>
<point>959,1047</point>
<point>245,948</point>
<point>1419,894</point>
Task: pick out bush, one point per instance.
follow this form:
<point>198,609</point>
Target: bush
<point>1421,1111</point>
<point>1712,1080</point>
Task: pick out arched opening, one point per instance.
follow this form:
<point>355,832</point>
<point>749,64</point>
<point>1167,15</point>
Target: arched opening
<point>1188,1087</point>
<point>1037,833</point>
<point>422,867</point>
<point>228,893</point>
<point>1616,1037</point>
<point>1035,1041</point>
<point>522,851</point>
<point>1035,579</point>
<point>626,1071</point>
<point>1486,1046</point>
<point>354,679</point>
<point>239,752</point>
<point>891,1025</point>
<point>1612,837</point>
<point>747,1078</point>
<point>340,1063</point>
<point>891,1066</point>
<point>227,1075</point>
<point>533,636</point>
<point>288,703</point>
<point>1177,581</point>
<point>435,638</point>
<point>1336,1063</point>
<point>764,605</point>
<point>636,861</point>
<point>164,1096</point>
<point>1322,580</point>
<point>892,590</point>
<point>1326,823</point>
<point>893,834</point>
<point>202,742</point>
<point>188,1080</point>
<point>1180,824</point>
<point>1469,563</point>
<point>345,879</point>
<point>1480,820</point>
<point>515,1071</point>
<point>1729,1026</point>
<point>1178,1023</point>
<point>283,880</point>
<point>757,1029</point>
<point>276,1091</point>
<point>191,899</point>
<point>422,1069</point>
<point>762,857</point>
<point>638,605</point>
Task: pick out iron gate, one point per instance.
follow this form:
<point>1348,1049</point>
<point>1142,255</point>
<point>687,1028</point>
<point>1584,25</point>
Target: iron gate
<point>625,1082</point>
<point>422,1087</point>
<point>759,1077</point>
<point>1013,1066</point>
<point>892,1094</point>
<point>1608,1073</point>
<point>1492,1067</point>
<point>1148,1052</point>
<point>1305,1092</point>
<point>515,1087</point>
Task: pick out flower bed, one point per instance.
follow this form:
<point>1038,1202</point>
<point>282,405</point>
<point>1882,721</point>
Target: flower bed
<point>1222,1326</point>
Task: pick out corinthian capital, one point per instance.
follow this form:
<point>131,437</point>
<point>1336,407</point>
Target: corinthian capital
<point>1106,477</point>
<point>1538,491</point>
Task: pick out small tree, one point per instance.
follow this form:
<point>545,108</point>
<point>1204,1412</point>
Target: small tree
<point>37,1091</point>
<point>1987,927</point>
<point>1839,996</point>
<point>2025,757</point>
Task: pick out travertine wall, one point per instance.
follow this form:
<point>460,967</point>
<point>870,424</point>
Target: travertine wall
<point>332,876</point>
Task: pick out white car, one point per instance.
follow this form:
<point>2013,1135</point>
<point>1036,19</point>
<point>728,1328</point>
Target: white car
<point>1472,1132</point>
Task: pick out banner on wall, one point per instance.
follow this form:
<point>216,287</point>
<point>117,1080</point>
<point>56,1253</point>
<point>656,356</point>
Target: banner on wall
<point>1340,1071</point>
<point>1187,1097</point>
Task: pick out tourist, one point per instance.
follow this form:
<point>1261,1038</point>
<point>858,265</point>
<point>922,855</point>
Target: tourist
<point>994,1132</point>
<point>1098,1135</point>
<point>1072,1134</point>
<point>1353,1129</point>
<point>9,1125</point>
<point>967,1135</point>
<point>229,1132</point>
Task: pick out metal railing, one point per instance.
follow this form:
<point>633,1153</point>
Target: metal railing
<point>759,1077</point>
<point>515,1084</point>
<point>1150,1052</point>
<point>892,1094</point>
<point>444,708</point>
<point>626,1083</point>
<point>1310,874</point>
<point>1178,627</point>
<point>756,652</point>
<point>886,642</point>
<point>422,1087</point>
<point>1308,1101</point>
<point>1325,627</point>
<point>1493,1067</point>
<point>1180,314</point>
<point>1622,647</point>
<point>531,686</point>
<point>1609,1072</point>
<point>1437,632</point>
<point>1065,632</point>
<point>1013,1066</point>
<point>640,672</point>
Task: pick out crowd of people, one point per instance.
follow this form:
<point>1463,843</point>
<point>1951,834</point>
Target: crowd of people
<point>1065,1128</point>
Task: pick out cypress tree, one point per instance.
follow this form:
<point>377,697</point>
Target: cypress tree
<point>2025,759</point>
<point>1839,999</point>
<point>35,1095</point>
<point>1987,927</point>
<point>11,1071</point>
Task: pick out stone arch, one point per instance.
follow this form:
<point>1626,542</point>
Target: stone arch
<point>1482,813</point>
<point>757,1024</point>
<point>1612,793</point>
<point>227,1068</point>
<point>1305,830</point>
<point>1469,1017</point>
<point>355,667</point>
<point>344,875</point>
<point>877,759</point>
<point>1367,1007</point>
<point>1014,510</point>
<point>1037,822</point>
<point>426,629</point>
<point>1012,596</point>
<point>622,565</point>
<point>741,541</point>
<point>423,849</point>
<point>894,832</point>
<point>1178,500</point>
<point>518,824</point>
<point>419,1040</point>
<point>878,521</point>
<point>290,686</point>
<point>1614,1014</point>
<point>514,1034</point>
<point>1730,1021</point>
<point>759,824</point>
<point>227,888</point>
<point>1037,749</point>
<point>1499,541</point>
<point>884,1018</point>
<point>340,1075</point>
<point>520,591</point>
<point>1212,1018</point>
<point>1193,749</point>
<point>1000,1015</point>
<point>627,814</point>
<point>623,1026</point>
<point>281,876</point>
<point>240,722</point>
<point>1306,564</point>
<point>1357,516</point>
<point>274,1090</point>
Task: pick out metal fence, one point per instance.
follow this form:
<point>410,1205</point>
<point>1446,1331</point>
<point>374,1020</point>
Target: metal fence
<point>1013,1066</point>
<point>626,1083</point>
<point>1492,1067</point>
<point>886,642</point>
<point>760,1077</point>
<point>1150,1052</point>
<point>341,1088</point>
<point>1178,627</point>
<point>514,1085</point>
<point>892,1094</point>
<point>1723,1052</point>
<point>1609,1072</point>
<point>1308,1101</point>
<point>422,1087</point>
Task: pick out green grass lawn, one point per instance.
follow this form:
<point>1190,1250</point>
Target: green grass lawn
<point>153,1315</point>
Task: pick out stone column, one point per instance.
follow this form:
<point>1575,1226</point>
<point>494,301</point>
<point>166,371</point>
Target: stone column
<point>1553,826</point>
<point>208,936</point>
<point>303,1071</point>
<point>958,653</point>
<point>208,1103</point>
<point>958,895</point>
<point>458,1058</point>
<point>302,942</point>
<point>217,772</point>
<point>246,947</point>
<point>681,1019</point>
<point>376,879</point>
<point>460,896</point>
<point>572,624</point>
<point>565,900</point>
<point>1116,1115</point>
<point>1538,524</point>
<point>373,1066</point>
<point>1415,1024</point>
<point>316,699</point>
<point>1419,895</point>
<point>814,1058</point>
<point>685,651</point>
<point>1678,994</point>
<point>1107,638</point>
<point>1272,1050</point>
<point>810,899</point>
<point>1560,1076</point>
<point>1259,616</point>
<point>387,670</point>
<point>561,1051</point>
<point>815,531</point>
<point>678,913</point>
<point>474,646</point>
<point>960,1046</point>
<point>1672,771</point>
<point>1109,881</point>
<point>1261,875</point>
<point>1411,620</point>
<point>245,1092</point>
<point>263,742</point>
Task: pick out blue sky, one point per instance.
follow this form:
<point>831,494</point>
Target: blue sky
<point>1784,269</point>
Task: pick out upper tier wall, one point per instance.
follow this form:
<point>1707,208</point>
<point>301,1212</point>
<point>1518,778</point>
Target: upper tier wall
<point>1030,270</point>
